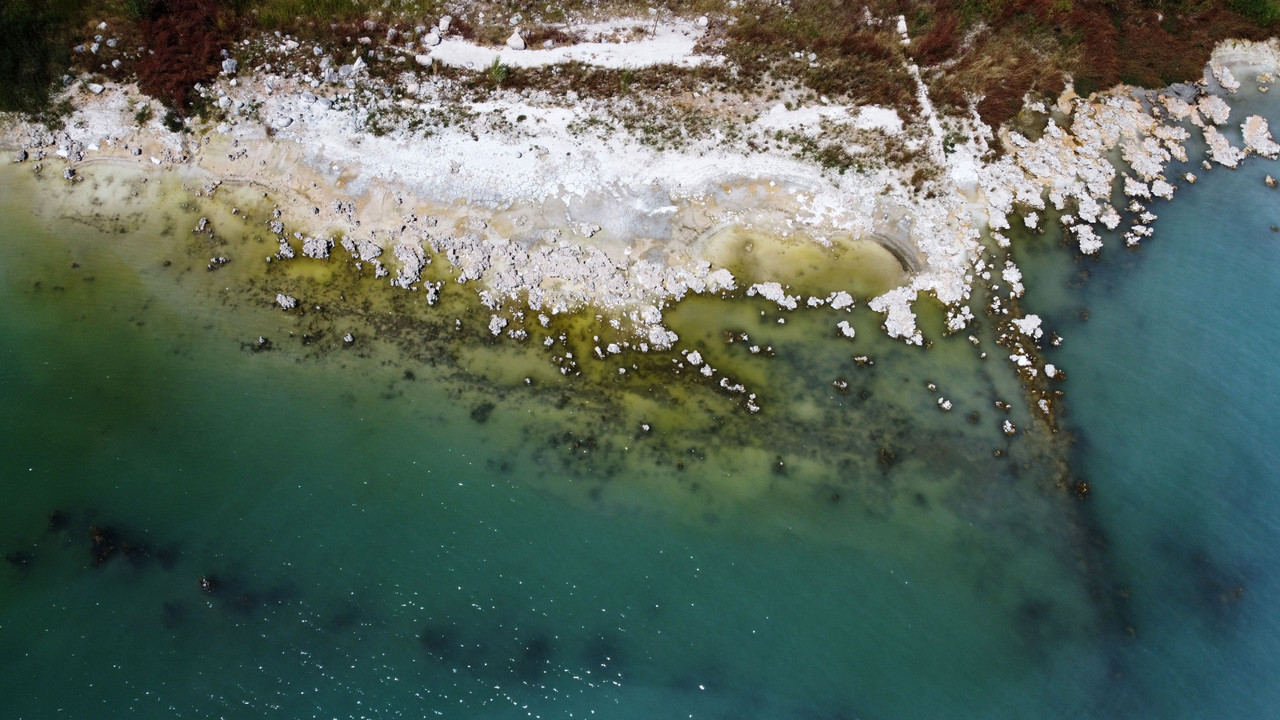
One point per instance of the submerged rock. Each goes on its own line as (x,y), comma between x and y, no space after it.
(105,542)
(481,412)
(58,521)
(286,301)
(20,559)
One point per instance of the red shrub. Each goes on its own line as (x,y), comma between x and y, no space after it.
(183,39)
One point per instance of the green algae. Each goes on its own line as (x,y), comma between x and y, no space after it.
(833,428)
(811,268)
(874,473)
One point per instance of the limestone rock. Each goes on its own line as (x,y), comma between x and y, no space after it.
(1257,137)
(412,260)
(318,248)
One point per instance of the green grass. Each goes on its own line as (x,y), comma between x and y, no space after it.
(282,14)
(1263,12)
(498,72)
(286,14)
(35,40)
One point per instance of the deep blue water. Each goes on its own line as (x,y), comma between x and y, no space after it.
(381,545)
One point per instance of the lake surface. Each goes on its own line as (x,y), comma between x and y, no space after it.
(431,522)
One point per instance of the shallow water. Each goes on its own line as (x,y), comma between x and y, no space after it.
(405,527)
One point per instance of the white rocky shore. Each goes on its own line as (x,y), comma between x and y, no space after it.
(551,202)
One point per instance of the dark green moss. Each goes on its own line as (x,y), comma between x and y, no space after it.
(34,51)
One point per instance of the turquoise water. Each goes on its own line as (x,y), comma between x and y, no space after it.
(1171,391)
(405,528)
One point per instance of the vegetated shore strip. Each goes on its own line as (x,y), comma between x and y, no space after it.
(546,199)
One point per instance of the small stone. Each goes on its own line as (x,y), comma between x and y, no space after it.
(444,23)
(515,42)
(229,66)
(423,60)
(703,21)
(348,338)
(95,88)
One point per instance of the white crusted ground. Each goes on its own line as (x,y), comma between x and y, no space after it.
(551,202)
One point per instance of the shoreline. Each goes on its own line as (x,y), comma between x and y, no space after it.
(619,225)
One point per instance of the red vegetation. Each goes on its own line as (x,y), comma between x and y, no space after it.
(183,40)
(939,43)
(1020,46)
